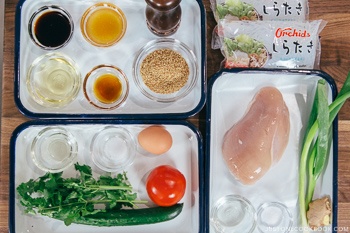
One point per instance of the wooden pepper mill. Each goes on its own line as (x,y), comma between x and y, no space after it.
(163,16)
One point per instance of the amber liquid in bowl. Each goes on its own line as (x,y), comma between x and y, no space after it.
(107,88)
(103,24)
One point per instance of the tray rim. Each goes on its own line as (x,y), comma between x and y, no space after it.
(19,129)
(179,115)
(334,90)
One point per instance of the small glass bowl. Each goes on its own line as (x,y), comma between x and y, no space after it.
(274,216)
(108,31)
(113,149)
(177,46)
(54,149)
(53,80)
(233,214)
(90,89)
(58,29)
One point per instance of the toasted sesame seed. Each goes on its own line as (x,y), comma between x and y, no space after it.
(164,71)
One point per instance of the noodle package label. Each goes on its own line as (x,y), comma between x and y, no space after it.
(271,44)
(293,10)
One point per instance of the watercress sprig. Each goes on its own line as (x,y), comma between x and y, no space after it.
(70,198)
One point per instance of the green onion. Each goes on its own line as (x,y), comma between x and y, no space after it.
(318,137)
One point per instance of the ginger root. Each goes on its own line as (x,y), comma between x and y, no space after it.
(319,213)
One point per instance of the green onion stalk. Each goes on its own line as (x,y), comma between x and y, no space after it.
(318,137)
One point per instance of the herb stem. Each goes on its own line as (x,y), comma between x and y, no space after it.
(106,187)
(94,202)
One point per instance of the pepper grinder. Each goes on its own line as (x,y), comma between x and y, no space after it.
(163,16)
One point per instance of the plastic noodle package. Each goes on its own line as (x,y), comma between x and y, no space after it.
(271,44)
(285,10)
(253,10)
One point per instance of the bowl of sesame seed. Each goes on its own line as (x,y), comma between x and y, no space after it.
(165,70)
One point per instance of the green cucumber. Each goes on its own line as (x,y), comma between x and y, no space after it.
(129,217)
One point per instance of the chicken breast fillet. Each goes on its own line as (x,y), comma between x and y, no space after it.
(259,139)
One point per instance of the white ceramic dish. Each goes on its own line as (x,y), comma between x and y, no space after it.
(185,155)
(229,96)
(191,32)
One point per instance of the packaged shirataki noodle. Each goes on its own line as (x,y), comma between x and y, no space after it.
(252,10)
(271,44)
(295,10)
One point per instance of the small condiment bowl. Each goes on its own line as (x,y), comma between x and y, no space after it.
(113,149)
(54,149)
(233,213)
(274,216)
(53,80)
(98,29)
(51,27)
(101,95)
(168,95)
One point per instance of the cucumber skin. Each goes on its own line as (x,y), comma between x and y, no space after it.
(131,217)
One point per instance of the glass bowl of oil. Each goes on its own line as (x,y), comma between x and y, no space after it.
(106,87)
(53,80)
(103,24)
(54,149)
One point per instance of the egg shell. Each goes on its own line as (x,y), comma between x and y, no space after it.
(155,139)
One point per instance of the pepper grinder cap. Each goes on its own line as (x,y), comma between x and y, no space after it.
(163,5)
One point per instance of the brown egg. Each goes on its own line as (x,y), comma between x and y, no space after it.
(155,139)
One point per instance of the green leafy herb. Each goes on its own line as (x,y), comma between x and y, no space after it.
(318,137)
(71,198)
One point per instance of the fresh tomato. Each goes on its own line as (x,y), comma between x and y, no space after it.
(165,185)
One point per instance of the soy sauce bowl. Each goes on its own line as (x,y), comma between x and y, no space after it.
(106,87)
(51,27)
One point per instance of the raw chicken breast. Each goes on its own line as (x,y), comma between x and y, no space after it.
(259,139)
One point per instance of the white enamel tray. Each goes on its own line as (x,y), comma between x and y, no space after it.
(185,155)
(228,98)
(191,32)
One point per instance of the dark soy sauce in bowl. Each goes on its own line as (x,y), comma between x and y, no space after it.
(51,28)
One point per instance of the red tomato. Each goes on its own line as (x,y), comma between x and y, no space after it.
(165,185)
